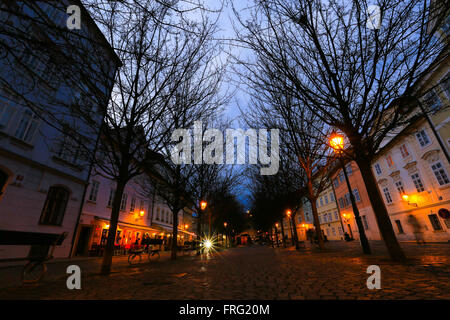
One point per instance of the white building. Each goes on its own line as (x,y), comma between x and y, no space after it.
(42,173)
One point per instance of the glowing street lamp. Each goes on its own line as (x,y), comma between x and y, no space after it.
(203,204)
(225,224)
(186,226)
(337,142)
(142,213)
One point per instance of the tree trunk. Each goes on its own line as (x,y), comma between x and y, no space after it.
(199,230)
(381,214)
(282,233)
(317,224)
(173,254)
(295,232)
(115,211)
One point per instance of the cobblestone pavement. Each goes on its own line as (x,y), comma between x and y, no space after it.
(258,272)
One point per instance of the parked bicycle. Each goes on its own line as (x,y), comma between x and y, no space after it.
(135,255)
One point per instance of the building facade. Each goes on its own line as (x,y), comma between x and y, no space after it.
(41,184)
(329,217)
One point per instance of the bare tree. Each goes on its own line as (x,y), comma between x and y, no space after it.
(337,61)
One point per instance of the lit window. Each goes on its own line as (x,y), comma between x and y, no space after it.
(417,182)
(387,195)
(377,168)
(94,191)
(440,173)
(404,151)
(422,137)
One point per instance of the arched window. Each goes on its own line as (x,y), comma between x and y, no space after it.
(3,179)
(55,206)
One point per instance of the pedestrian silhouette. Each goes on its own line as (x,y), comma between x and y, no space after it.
(417,229)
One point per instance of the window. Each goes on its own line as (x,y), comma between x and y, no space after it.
(341,176)
(340,230)
(6,111)
(432,101)
(417,182)
(123,202)
(325,197)
(399,226)
(445,84)
(364,220)
(111,197)
(400,189)
(322,219)
(389,161)
(377,168)
(440,173)
(69,150)
(336,217)
(132,204)
(54,206)
(321,201)
(341,202)
(330,218)
(333,230)
(94,191)
(356,194)
(332,197)
(348,201)
(387,195)
(435,222)
(27,127)
(348,169)
(336,182)
(422,137)
(404,151)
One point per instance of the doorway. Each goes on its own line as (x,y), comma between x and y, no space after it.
(83,241)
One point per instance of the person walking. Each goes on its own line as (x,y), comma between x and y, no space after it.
(417,229)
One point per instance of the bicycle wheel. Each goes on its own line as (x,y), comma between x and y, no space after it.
(134,259)
(33,271)
(153,256)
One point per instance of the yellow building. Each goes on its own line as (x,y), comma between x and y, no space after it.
(329,217)
(412,169)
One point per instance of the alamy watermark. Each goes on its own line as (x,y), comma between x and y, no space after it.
(374,281)
(212,152)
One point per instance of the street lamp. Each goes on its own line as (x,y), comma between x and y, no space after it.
(226,234)
(337,143)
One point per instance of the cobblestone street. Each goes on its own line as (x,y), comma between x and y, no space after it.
(255,272)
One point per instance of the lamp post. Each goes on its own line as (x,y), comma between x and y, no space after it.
(337,143)
(203,205)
